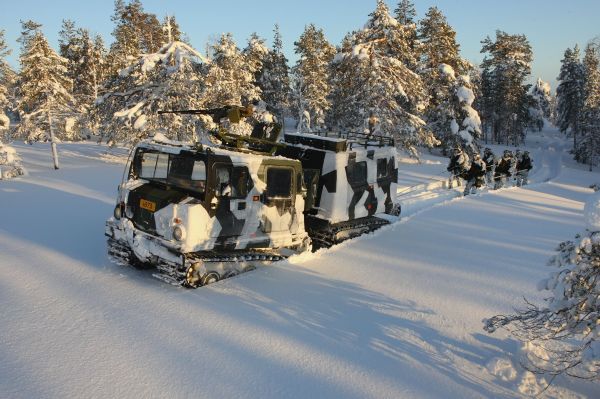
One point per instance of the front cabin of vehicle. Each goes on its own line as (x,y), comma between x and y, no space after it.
(203,199)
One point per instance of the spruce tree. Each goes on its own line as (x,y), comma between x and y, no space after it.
(569,94)
(505,69)
(44,88)
(445,75)
(374,91)
(311,75)
(255,54)
(589,146)
(275,82)
(230,79)
(542,99)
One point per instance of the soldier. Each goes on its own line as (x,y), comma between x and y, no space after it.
(476,175)
(503,169)
(524,165)
(490,165)
(458,166)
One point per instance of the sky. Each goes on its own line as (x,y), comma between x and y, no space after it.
(550,25)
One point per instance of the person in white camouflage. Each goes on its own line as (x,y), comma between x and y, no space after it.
(458,166)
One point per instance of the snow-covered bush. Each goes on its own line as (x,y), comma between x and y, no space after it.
(10,163)
(562,335)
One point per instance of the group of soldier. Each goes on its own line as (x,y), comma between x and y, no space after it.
(487,170)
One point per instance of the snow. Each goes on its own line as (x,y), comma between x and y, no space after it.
(592,213)
(447,70)
(396,313)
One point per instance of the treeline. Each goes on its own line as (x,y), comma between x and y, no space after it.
(396,76)
(578,102)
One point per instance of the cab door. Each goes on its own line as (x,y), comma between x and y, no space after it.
(279,213)
(231,184)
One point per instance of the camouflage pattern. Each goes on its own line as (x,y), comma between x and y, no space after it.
(237,201)
(354,181)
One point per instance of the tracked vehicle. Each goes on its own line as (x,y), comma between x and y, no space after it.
(198,213)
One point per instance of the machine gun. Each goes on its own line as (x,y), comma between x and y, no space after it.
(264,136)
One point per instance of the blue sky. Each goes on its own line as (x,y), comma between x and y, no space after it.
(550,25)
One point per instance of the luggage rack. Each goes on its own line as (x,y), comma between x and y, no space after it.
(360,139)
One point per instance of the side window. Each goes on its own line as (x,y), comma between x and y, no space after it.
(382,166)
(357,173)
(223,181)
(239,181)
(187,173)
(148,165)
(199,171)
(231,181)
(279,182)
(162,166)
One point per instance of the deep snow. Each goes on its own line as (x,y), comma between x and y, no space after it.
(394,314)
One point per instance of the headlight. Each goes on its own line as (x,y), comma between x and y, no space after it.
(118,212)
(129,212)
(178,233)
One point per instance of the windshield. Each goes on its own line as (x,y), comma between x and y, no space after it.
(179,170)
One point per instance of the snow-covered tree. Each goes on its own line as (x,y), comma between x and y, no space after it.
(275,82)
(589,146)
(170,79)
(454,120)
(505,69)
(230,79)
(569,94)
(44,89)
(256,53)
(405,14)
(542,97)
(311,76)
(376,92)
(136,32)
(445,75)
(6,80)
(562,335)
(85,62)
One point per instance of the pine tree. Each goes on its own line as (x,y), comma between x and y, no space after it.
(507,99)
(589,146)
(44,88)
(376,92)
(170,79)
(136,32)
(569,94)
(5,81)
(311,75)
(171,30)
(405,12)
(275,82)
(85,62)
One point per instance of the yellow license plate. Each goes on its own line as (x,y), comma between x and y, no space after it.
(149,205)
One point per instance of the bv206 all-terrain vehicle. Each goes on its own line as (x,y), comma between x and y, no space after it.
(201,213)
